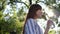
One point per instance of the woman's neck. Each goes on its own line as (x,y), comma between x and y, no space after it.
(35,17)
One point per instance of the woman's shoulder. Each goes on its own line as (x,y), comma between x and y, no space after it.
(30,20)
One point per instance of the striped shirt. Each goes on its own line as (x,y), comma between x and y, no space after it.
(31,27)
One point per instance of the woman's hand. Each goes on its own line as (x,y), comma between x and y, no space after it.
(49,23)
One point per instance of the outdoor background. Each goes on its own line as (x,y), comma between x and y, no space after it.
(13,14)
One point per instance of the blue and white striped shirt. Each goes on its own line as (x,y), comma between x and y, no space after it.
(31,27)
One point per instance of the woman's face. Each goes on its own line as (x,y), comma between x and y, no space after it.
(39,13)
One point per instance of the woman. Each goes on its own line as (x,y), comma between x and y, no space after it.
(31,26)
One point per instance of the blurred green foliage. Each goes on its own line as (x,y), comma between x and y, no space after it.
(14,24)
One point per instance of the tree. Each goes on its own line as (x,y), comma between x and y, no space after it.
(13,23)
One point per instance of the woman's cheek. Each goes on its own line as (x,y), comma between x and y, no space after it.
(39,14)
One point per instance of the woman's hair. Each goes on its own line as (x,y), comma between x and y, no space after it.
(32,12)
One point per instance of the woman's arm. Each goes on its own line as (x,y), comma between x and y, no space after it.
(46,30)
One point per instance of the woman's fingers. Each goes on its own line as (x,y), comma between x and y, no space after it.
(49,23)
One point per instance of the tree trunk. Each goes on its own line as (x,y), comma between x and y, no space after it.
(30,2)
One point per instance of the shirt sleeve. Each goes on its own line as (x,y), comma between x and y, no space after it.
(29,27)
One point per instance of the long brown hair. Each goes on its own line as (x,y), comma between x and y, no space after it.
(32,12)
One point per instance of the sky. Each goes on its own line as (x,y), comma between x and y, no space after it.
(19,5)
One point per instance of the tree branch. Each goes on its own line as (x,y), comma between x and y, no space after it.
(21,2)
